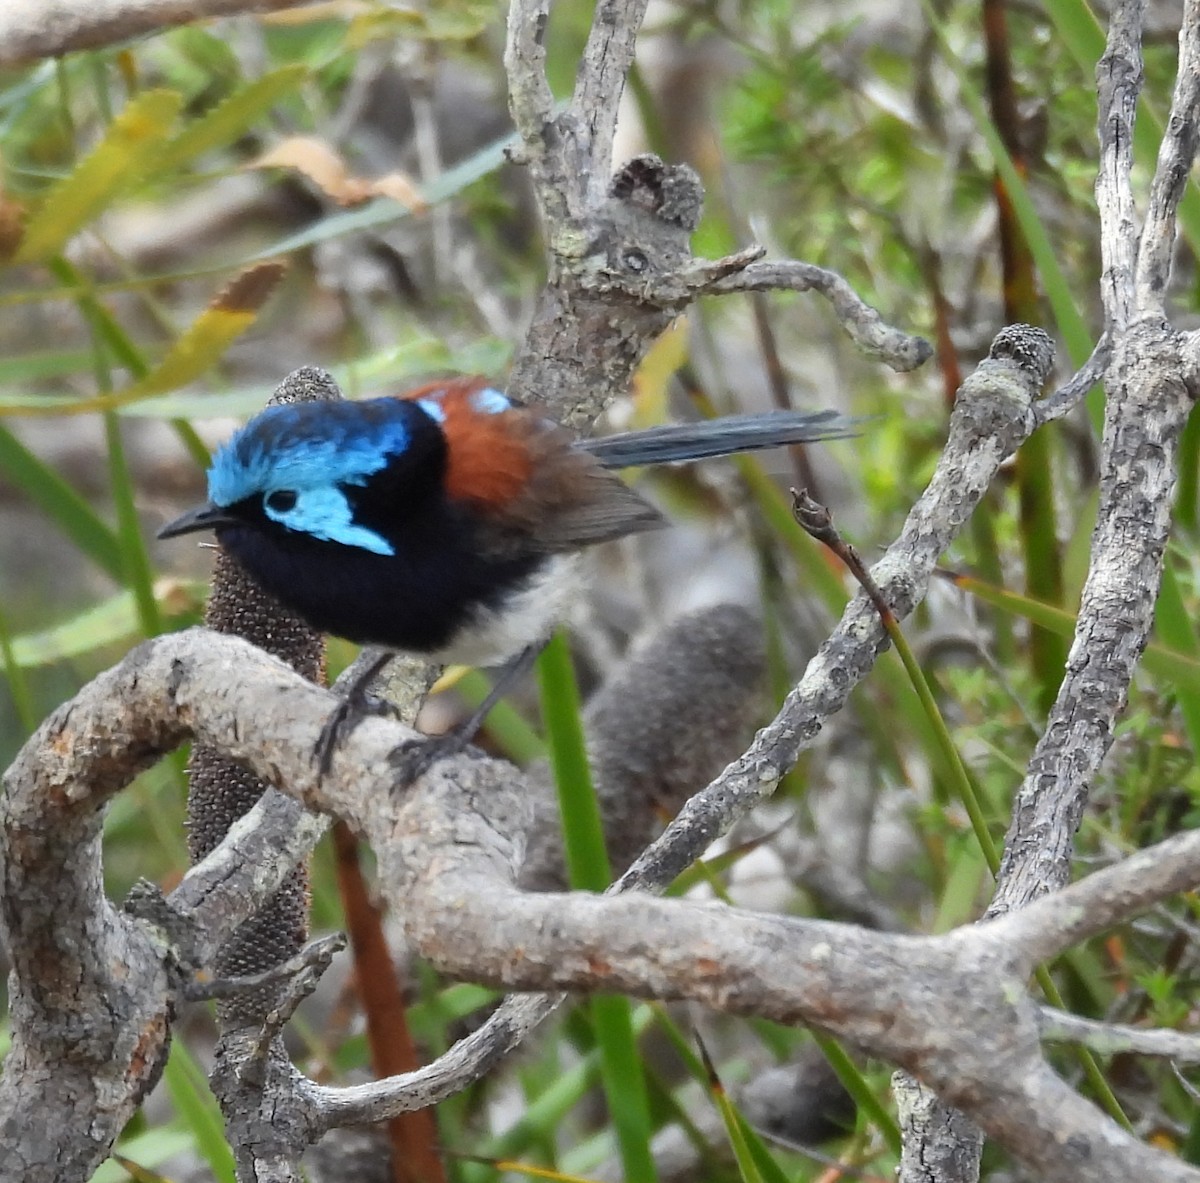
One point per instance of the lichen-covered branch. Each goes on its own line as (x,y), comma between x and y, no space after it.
(1118,83)
(620,266)
(952,1009)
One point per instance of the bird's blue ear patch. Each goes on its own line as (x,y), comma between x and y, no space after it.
(325,513)
(490,401)
(487,401)
(433,408)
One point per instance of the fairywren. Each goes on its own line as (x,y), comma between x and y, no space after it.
(445,522)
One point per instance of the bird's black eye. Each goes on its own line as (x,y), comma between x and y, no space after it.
(280,501)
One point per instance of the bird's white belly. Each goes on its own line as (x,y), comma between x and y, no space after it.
(527,617)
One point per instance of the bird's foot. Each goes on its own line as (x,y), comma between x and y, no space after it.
(415,757)
(342,721)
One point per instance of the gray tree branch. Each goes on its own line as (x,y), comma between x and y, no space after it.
(1118,83)
(953,1009)
(1176,154)
(1151,382)
(35,29)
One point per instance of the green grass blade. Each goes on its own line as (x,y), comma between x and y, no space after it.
(962,783)
(18,684)
(1173,623)
(1091,1068)
(856,1085)
(1043,560)
(505,724)
(736,1129)
(551,1106)
(589,870)
(101,322)
(198,1110)
(1178,669)
(112,621)
(384,210)
(147,1149)
(65,508)
(625,1089)
(34,367)
(135,557)
(583,832)
(1188,493)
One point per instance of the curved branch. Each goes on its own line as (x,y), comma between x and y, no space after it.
(35,29)
(1105,898)
(1067,397)
(947,1008)
(900,350)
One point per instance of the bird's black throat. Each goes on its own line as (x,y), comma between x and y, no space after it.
(441,577)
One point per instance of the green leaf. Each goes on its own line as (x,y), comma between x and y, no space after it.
(463,21)
(130,148)
(148,1150)
(228,119)
(197,1108)
(18,684)
(505,724)
(33,367)
(200,346)
(752,1167)
(1173,623)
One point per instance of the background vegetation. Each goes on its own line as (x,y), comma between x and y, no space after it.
(940,155)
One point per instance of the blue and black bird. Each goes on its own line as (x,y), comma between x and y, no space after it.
(446,522)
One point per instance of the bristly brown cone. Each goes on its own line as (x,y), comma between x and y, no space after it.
(220,791)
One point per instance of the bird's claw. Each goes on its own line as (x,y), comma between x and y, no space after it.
(415,757)
(342,721)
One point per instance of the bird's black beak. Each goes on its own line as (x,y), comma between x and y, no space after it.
(203,517)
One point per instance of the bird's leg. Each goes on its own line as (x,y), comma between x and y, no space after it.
(417,756)
(351,710)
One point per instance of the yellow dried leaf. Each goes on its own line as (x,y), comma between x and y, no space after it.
(124,155)
(324,167)
(316,160)
(399,188)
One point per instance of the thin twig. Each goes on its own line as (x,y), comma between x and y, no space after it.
(1176,154)
(1118,82)
(866,328)
(1111,1039)
(1068,395)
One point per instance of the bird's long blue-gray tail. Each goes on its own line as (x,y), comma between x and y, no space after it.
(718,437)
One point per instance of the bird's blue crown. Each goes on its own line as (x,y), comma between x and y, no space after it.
(307,445)
(313,451)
